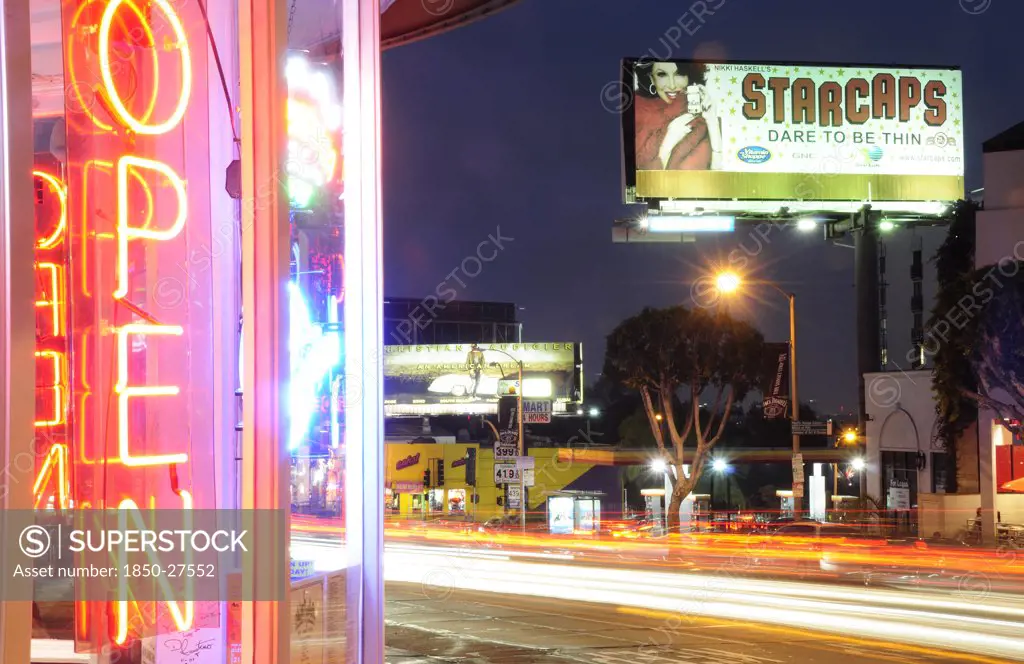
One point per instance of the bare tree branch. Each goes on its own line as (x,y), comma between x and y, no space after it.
(645,396)
(1004,410)
(725,418)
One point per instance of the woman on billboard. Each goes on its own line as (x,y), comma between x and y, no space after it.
(677,127)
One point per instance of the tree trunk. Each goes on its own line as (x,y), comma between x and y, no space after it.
(680,490)
(673,510)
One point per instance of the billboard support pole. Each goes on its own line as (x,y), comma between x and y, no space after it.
(866,280)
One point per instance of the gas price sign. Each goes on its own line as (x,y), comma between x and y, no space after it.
(507,473)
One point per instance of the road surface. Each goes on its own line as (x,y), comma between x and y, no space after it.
(429,624)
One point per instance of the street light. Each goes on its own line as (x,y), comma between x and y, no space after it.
(718,466)
(659,466)
(727,282)
(858,464)
(522,442)
(850,436)
(730,282)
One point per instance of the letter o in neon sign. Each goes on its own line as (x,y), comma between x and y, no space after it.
(108,79)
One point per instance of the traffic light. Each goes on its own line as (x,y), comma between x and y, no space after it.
(471,466)
(440,471)
(426,479)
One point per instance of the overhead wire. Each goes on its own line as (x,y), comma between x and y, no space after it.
(220,71)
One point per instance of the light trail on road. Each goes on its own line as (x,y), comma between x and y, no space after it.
(989,623)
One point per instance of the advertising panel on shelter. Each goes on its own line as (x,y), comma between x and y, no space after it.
(465,379)
(774,131)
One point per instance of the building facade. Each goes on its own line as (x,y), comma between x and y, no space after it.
(408,321)
(999,244)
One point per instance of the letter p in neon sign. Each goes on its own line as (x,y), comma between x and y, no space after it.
(125,230)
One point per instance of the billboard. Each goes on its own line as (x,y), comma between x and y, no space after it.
(468,379)
(800,132)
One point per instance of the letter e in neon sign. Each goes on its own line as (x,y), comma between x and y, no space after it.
(126,392)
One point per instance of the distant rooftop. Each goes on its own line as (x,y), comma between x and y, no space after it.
(431,320)
(1008,141)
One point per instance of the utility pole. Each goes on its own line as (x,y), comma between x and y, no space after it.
(522,439)
(522,450)
(795,396)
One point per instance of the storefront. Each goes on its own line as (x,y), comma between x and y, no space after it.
(465,489)
(430,481)
(183,266)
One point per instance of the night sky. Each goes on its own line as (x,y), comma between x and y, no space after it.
(500,124)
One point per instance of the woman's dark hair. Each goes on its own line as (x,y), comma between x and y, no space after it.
(643,69)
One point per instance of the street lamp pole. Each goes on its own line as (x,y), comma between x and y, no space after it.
(729,282)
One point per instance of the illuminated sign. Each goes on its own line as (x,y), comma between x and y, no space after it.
(314,132)
(53,475)
(411,460)
(455,379)
(685,224)
(314,353)
(135,206)
(780,132)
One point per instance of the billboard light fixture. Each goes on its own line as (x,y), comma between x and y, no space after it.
(691,224)
(923,208)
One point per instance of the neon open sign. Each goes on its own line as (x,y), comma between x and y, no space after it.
(136,190)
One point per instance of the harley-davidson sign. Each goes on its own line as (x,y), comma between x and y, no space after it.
(776,393)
